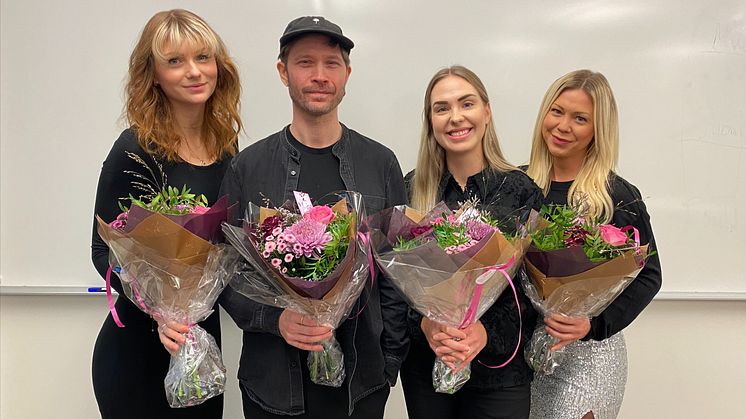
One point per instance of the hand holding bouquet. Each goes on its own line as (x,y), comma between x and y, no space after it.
(576,267)
(450,266)
(160,247)
(307,259)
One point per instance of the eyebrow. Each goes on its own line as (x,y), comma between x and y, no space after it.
(324,57)
(464,97)
(556,105)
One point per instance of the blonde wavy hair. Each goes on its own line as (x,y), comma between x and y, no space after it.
(147,108)
(590,189)
(431,159)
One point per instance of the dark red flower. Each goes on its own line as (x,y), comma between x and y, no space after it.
(269,224)
(420,230)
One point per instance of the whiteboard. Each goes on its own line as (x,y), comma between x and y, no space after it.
(678,71)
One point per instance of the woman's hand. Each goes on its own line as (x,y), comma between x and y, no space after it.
(439,335)
(475,341)
(566,329)
(455,347)
(171,335)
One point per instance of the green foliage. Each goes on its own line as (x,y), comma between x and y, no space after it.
(561,219)
(170,200)
(566,228)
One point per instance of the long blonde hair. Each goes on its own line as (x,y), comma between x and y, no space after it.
(147,108)
(431,159)
(591,186)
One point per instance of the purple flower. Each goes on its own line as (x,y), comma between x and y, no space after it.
(478,230)
(310,235)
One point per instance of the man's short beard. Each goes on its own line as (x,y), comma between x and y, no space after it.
(315,111)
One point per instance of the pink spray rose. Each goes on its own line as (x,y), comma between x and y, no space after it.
(612,235)
(199,209)
(320,213)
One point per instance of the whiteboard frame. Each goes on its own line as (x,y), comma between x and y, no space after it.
(30,290)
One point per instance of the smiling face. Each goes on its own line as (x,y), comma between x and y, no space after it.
(315,74)
(187,76)
(459,117)
(568,127)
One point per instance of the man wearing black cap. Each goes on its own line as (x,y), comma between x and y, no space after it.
(317,154)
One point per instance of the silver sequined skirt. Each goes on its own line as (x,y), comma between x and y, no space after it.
(590,378)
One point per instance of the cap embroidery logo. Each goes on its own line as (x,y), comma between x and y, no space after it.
(316,20)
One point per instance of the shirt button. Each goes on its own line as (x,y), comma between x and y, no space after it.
(293,364)
(292,172)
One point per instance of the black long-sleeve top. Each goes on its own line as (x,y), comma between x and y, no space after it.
(115,186)
(129,363)
(507,196)
(629,210)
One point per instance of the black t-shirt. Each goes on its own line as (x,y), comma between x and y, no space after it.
(319,171)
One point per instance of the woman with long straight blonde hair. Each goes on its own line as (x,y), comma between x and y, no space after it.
(460,159)
(182,105)
(573,157)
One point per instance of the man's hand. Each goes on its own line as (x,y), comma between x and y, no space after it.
(302,331)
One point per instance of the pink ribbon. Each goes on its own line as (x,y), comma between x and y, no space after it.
(636,235)
(471,311)
(365,238)
(110,299)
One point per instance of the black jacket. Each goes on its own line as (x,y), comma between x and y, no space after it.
(374,342)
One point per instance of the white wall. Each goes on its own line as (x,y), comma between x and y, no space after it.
(687,360)
(678,74)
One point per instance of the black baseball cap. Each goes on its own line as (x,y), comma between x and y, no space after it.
(314,24)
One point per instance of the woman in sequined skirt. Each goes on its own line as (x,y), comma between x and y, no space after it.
(573,157)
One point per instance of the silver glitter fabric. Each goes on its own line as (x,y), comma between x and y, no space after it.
(591,378)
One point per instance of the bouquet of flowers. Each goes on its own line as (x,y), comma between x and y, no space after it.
(310,259)
(161,249)
(576,267)
(450,267)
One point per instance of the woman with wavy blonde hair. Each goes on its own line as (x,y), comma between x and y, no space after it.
(182,104)
(459,160)
(573,156)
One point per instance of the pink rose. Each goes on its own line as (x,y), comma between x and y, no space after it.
(320,213)
(612,235)
(199,209)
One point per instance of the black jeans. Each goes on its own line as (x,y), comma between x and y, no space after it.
(469,402)
(322,402)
